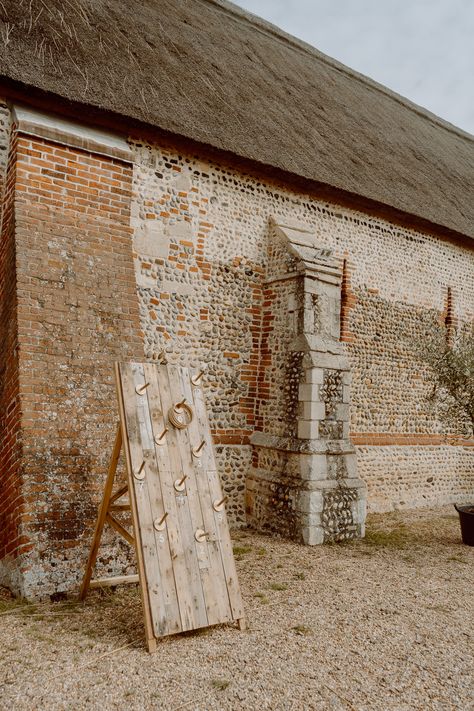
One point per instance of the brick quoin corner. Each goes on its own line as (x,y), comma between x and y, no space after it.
(67,249)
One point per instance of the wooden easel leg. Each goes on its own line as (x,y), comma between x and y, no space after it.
(151,643)
(242,623)
(102,515)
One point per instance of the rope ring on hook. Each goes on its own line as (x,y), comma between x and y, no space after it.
(180,415)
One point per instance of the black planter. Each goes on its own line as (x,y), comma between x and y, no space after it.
(466,519)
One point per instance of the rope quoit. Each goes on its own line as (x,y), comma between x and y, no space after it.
(180,415)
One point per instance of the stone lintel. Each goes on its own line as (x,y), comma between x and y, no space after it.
(319,359)
(307,342)
(69,133)
(320,272)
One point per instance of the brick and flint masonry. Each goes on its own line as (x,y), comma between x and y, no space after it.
(106,260)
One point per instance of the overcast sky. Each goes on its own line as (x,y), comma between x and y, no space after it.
(422,49)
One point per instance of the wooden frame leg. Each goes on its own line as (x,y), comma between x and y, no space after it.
(151,644)
(102,515)
(149,632)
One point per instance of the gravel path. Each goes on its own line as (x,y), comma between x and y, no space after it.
(383,624)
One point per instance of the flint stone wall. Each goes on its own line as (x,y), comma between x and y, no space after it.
(201,256)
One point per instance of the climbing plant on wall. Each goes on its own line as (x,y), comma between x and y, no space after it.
(450,373)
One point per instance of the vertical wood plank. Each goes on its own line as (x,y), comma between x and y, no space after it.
(170,553)
(167,457)
(170,395)
(208,579)
(220,518)
(140,443)
(214,584)
(165,616)
(149,633)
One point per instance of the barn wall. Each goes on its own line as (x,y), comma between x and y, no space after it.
(84,234)
(201,238)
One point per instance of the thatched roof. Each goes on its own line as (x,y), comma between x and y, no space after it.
(206,70)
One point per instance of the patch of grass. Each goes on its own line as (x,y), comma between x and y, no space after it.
(220,684)
(346,542)
(241,550)
(299,576)
(261,551)
(263,598)
(278,586)
(396,539)
(8,603)
(71,606)
(302,630)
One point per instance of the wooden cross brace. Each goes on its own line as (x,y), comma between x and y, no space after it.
(107,508)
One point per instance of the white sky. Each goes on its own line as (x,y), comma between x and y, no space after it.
(422,49)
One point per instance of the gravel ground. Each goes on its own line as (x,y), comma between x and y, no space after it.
(386,623)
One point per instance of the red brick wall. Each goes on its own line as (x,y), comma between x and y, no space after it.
(348,301)
(10,447)
(77,314)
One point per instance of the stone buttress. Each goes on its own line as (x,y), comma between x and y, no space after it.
(303,482)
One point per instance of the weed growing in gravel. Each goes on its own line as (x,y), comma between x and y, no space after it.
(241,550)
(263,598)
(302,630)
(278,586)
(71,606)
(10,604)
(299,576)
(262,551)
(396,539)
(220,684)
